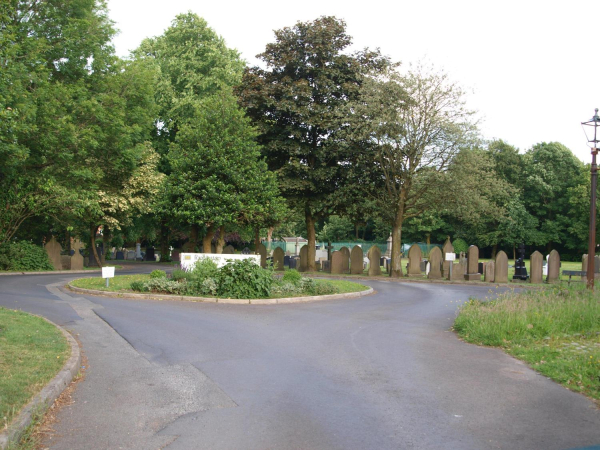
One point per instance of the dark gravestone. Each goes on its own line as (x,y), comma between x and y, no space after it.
(326,266)
(92,261)
(246,251)
(286,260)
(294,262)
(423,265)
(520,269)
(480,267)
(175,255)
(228,250)
(149,254)
(120,255)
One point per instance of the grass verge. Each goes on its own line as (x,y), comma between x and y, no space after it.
(32,352)
(121,283)
(556,331)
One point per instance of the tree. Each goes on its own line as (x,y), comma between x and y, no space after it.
(300,104)
(417,123)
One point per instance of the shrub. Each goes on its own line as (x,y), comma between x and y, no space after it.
(137,286)
(292,276)
(204,268)
(158,274)
(24,256)
(180,274)
(164,286)
(244,279)
(460,246)
(280,287)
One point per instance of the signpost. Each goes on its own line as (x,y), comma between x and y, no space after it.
(108,272)
(450,257)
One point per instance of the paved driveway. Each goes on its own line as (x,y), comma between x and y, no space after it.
(377,372)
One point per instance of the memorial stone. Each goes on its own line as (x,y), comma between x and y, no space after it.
(262,251)
(229,250)
(326,266)
(278,256)
(337,262)
(489,274)
(447,248)
(175,255)
(458,271)
(536,264)
(345,260)
(294,262)
(53,249)
(414,261)
(375,261)
(149,254)
(553,267)
(501,270)
(246,251)
(303,267)
(286,260)
(473,264)
(356,260)
(130,255)
(435,264)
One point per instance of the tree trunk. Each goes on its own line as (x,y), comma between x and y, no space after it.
(164,239)
(256,238)
(494,251)
(94,253)
(221,239)
(311,237)
(207,239)
(396,271)
(194,238)
(105,242)
(515,253)
(269,238)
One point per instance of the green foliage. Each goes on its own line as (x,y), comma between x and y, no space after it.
(180,274)
(164,285)
(138,286)
(292,276)
(204,268)
(460,245)
(302,285)
(158,274)
(244,279)
(24,256)
(336,229)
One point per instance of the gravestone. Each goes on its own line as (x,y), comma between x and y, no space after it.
(130,255)
(345,260)
(303,267)
(337,262)
(553,267)
(229,250)
(262,251)
(447,248)
(286,260)
(596,264)
(414,261)
(188,247)
(92,260)
(536,264)
(458,271)
(326,266)
(149,254)
(120,256)
(473,264)
(520,269)
(501,271)
(435,264)
(294,262)
(246,251)
(278,256)
(489,273)
(374,255)
(76,262)
(53,249)
(356,260)
(65,262)
(175,254)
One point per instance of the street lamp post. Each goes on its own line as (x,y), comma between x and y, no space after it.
(591,130)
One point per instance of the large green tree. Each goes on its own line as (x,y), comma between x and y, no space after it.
(300,103)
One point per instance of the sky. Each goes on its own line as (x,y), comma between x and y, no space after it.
(529,68)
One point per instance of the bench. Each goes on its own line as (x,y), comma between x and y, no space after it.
(574,273)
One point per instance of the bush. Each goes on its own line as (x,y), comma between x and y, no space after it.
(244,279)
(292,276)
(24,256)
(137,286)
(460,246)
(204,268)
(158,274)
(180,274)
(164,286)
(280,287)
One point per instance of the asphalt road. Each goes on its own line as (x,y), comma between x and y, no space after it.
(377,372)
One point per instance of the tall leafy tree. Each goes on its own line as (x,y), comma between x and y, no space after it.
(300,103)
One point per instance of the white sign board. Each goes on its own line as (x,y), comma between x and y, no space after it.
(189,259)
(108,272)
(450,256)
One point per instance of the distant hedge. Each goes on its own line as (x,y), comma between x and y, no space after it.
(24,256)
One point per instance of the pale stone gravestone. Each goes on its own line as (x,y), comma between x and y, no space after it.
(303,267)
(229,250)
(337,262)
(489,271)
(346,260)
(77,258)
(53,249)
(435,264)
(596,264)
(447,248)
(356,260)
(414,261)
(584,264)
(553,267)
(501,271)
(278,256)
(130,255)
(262,251)
(65,262)
(536,264)
(458,271)
(374,255)
(473,264)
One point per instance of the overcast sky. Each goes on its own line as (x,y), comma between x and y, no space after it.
(530,67)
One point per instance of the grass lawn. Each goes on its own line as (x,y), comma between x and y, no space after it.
(556,331)
(121,283)
(32,352)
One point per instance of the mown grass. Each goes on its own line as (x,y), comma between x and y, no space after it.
(556,331)
(32,352)
(121,283)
